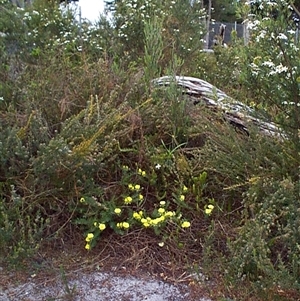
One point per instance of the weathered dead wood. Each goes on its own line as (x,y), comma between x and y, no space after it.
(236,113)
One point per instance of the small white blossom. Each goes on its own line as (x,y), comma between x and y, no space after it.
(268,64)
(261,35)
(282,36)
(253,24)
(291,31)
(279,69)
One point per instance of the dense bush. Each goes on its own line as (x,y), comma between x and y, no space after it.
(88,144)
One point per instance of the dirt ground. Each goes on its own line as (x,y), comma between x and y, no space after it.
(133,268)
(98,286)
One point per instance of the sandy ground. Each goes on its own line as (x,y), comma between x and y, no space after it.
(98,286)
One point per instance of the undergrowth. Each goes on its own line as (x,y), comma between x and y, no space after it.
(88,145)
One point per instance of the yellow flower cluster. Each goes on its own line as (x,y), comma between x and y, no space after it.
(135,187)
(137,215)
(209,208)
(128,200)
(123,225)
(148,221)
(141,172)
(88,239)
(101,226)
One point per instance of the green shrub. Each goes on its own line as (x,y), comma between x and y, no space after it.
(88,144)
(21,227)
(268,245)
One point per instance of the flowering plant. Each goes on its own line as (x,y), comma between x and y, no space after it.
(274,67)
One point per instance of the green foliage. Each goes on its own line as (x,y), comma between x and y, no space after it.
(223,10)
(182,27)
(153,49)
(87,144)
(273,75)
(143,201)
(269,241)
(21,227)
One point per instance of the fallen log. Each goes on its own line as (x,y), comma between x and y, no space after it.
(234,112)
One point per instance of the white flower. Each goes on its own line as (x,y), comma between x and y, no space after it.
(261,35)
(282,36)
(291,31)
(253,24)
(280,68)
(157,166)
(268,64)
(254,68)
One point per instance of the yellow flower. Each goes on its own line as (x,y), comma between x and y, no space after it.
(128,200)
(130,186)
(161,219)
(161,244)
(117,210)
(185,224)
(137,187)
(155,221)
(162,203)
(161,211)
(146,225)
(125,167)
(136,215)
(169,214)
(89,237)
(182,198)
(82,200)
(102,227)
(209,209)
(125,225)
(146,222)
(95,224)
(141,172)
(184,188)
(88,246)
(141,197)
(143,220)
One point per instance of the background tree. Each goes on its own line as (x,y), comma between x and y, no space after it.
(182,23)
(223,10)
